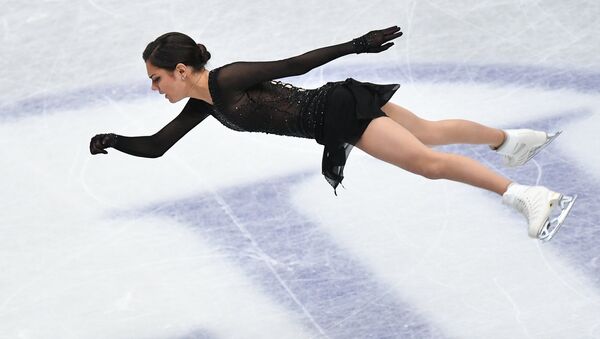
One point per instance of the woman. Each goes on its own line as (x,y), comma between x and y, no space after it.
(244,96)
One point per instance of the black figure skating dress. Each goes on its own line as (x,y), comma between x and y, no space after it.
(246,97)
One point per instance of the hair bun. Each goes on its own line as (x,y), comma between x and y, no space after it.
(204,53)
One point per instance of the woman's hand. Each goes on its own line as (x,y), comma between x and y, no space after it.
(376,41)
(100,142)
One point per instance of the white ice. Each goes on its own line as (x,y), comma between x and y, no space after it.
(237,235)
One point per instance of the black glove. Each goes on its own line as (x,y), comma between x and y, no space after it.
(101,141)
(373,42)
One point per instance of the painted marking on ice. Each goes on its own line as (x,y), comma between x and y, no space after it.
(297,263)
(300,265)
(529,76)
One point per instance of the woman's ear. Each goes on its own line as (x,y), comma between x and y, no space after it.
(181,71)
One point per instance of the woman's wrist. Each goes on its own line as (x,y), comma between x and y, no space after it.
(360,45)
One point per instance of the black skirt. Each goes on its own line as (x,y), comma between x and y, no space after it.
(350,106)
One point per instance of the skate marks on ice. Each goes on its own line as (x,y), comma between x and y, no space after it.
(291,259)
(340,295)
(301,268)
(502,75)
(578,237)
(197,334)
(294,260)
(72,100)
(546,78)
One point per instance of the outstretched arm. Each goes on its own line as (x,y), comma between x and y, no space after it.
(242,75)
(155,145)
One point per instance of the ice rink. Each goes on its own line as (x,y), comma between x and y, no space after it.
(238,235)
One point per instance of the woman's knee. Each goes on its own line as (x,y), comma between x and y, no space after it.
(431,166)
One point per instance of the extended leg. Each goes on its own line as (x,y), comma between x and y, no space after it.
(444,132)
(517,146)
(391,142)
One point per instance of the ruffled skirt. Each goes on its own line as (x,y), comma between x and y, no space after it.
(350,106)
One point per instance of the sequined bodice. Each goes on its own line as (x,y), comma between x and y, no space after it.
(246,98)
(270,107)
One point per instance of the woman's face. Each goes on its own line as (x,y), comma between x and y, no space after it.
(169,83)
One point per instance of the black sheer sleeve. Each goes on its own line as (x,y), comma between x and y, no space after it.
(156,145)
(239,76)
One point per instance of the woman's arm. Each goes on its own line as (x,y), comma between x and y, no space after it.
(155,145)
(242,75)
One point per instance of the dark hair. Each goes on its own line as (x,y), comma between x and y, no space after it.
(173,48)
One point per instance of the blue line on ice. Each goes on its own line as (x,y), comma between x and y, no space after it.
(333,287)
(513,75)
(325,279)
(577,240)
(340,295)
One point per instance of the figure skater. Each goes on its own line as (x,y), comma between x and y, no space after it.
(245,96)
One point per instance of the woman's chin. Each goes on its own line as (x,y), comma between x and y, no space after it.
(171,100)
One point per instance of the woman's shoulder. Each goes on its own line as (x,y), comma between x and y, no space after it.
(198,105)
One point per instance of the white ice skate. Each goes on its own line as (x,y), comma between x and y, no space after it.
(538,203)
(523,144)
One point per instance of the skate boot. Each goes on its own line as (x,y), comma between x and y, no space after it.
(521,145)
(545,210)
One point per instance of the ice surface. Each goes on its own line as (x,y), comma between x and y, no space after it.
(237,235)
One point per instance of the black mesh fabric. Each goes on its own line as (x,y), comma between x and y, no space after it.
(155,145)
(351,106)
(246,97)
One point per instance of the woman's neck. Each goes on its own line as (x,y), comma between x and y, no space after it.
(199,86)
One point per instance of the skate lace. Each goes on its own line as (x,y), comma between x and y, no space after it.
(520,158)
(522,206)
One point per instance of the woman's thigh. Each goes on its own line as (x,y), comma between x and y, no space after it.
(387,140)
(419,127)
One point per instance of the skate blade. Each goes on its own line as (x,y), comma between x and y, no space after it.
(538,149)
(551,227)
